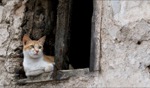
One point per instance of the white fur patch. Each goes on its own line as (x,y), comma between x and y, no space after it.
(36,66)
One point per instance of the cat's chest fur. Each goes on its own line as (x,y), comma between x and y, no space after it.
(36,66)
(32,64)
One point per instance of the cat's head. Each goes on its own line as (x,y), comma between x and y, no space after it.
(33,48)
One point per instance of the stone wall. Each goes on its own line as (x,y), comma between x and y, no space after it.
(126,43)
(11,16)
(125,40)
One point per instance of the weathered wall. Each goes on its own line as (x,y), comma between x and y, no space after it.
(126,43)
(11,16)
(125,34)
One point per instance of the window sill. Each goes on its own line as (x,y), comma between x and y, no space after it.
(61,75)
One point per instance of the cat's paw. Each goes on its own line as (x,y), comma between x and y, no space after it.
(49,68)
(34,72)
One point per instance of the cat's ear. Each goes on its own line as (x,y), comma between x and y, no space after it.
(25,39)
(42,40)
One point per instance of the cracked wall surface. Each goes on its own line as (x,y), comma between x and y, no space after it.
(125,45)
(10,26)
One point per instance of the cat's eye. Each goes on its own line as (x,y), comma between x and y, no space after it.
(32,46)
(40,47)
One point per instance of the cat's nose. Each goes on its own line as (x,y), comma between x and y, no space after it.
(36,51)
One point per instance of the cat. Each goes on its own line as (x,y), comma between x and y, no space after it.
(35,62)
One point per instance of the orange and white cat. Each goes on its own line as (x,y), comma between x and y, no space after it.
(35,62)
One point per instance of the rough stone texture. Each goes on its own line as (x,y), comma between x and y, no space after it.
(125,43)
(10,22)
(125,46)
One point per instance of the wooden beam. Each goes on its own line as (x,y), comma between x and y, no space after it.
(96,36)
(62,36)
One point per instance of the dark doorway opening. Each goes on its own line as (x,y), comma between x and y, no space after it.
(80,33)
